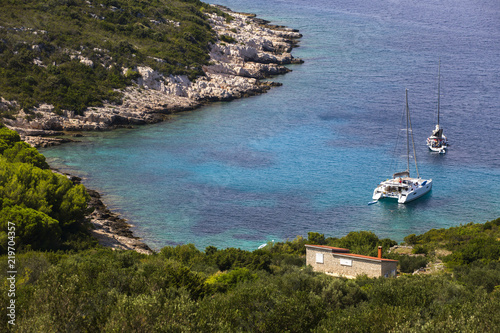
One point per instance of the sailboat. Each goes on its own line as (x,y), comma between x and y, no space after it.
(437,142)
(401,186)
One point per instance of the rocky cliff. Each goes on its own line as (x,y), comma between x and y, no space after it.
(247,50)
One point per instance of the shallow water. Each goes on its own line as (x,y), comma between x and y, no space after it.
(306,156)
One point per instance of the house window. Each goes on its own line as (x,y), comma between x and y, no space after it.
(319,258)
(346,262)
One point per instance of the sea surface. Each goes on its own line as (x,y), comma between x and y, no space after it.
(307,156)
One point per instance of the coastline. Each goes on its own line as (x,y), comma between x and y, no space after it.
(248,50)
(108,227)
(234,72)
(111,230)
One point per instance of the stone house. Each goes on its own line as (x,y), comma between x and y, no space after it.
(339,262)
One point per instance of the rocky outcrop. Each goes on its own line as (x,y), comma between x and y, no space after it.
(111,230)
(248,49)
(107,227)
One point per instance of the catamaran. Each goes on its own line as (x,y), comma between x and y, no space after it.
(402,186)
(437,142)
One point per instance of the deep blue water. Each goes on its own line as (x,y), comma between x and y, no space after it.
(306,156)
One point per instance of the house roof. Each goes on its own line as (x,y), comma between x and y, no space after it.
(345,252)
(325,247)
(363,257)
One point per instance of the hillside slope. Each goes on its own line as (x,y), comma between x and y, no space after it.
(81,65)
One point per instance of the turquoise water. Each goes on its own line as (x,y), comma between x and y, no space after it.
(306,156)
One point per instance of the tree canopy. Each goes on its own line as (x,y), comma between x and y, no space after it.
(43,205)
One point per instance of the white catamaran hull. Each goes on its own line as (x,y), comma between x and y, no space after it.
(416,193)
(405,191)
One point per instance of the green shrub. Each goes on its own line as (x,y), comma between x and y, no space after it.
(411,239)
(103,290)
(186,254)
(222,281)
(7,138)
(227,39)
(132,75)
(409,264)
(49,211)
(419,249)
(362,242)
(481,248)
(233,258)
(30,229)
(294,247)
(316,238)
(24,153)
(480,274)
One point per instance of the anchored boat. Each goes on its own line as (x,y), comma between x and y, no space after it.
(437,142)
(402,186)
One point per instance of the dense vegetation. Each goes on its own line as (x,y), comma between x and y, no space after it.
(269,290)
(42,43)
(47,208)
(66,282)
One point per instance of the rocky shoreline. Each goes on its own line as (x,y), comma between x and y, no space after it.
(109,228)
(248,50)
(253,50)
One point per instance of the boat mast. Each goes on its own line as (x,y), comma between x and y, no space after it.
(407,135)
(439,87)
(408,129)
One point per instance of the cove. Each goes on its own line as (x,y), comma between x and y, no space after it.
(306,156)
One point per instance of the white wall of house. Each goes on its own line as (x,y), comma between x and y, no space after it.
(326,260)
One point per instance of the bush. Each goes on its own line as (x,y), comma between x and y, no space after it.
(294,247)
(480,274)
(222,281)
(14,150)
(186,254)
(316,238)
(419,249)
(227,39)
(24,153)
(411,239)
(362,242)
(233,258)
(409,264)
(283,303)
(49,211)
(103,290)
(7,138)
(32,229)
(481,248)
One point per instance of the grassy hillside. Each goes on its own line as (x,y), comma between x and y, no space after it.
(71,53)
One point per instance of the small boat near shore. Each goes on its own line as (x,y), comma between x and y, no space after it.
(438,142)
(402,186)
